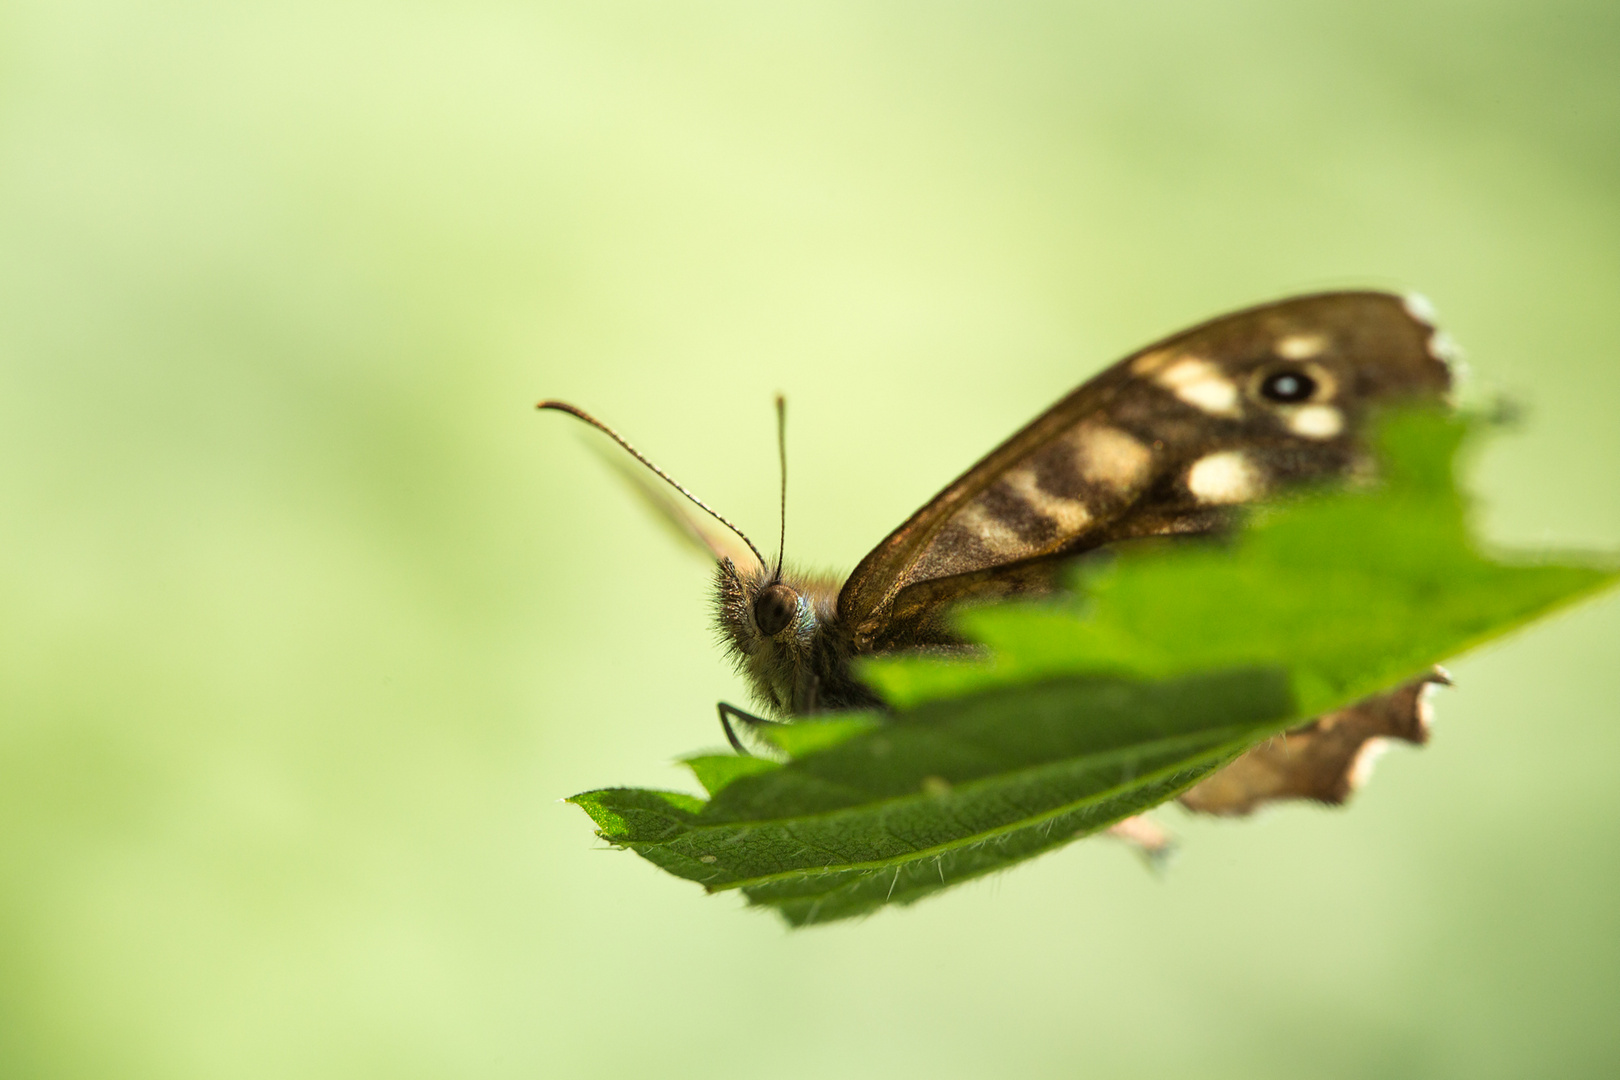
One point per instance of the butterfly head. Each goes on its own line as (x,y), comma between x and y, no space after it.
(760,604)
(773,623)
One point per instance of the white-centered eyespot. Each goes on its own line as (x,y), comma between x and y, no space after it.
(1292,384)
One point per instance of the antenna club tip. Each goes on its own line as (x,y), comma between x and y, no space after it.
(561,406)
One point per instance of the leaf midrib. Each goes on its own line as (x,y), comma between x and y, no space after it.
(1227,749)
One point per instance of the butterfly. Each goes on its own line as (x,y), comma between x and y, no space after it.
(1171,441)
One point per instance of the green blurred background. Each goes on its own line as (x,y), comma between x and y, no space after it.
(308,619)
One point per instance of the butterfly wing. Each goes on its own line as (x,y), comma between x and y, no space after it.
(1325,760)
(693,532)
(1164,442)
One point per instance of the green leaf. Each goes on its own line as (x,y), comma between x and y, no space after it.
(797,740)
(1169,662)
(716,771)
(947,791)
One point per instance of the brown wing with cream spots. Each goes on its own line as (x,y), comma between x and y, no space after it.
(1325,760)
(1160,443)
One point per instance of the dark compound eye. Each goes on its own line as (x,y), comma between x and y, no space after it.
(1288,387)
(775,608)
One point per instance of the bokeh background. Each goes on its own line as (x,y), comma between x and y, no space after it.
(308,619)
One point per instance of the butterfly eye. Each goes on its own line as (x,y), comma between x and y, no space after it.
(775,608)
(1288,387)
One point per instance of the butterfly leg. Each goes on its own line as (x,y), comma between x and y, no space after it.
(729,711)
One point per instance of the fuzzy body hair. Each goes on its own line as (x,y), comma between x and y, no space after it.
(805,668)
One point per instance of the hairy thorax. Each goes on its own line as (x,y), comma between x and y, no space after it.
(783,634)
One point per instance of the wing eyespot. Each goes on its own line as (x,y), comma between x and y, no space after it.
(1300,396)
(1288,387)
(1293,383)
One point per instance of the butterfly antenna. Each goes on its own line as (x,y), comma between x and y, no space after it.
(781,457)
(581,414)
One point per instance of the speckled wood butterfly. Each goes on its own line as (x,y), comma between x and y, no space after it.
(1167,442)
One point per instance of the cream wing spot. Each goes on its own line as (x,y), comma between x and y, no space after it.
(1202,385)
(1441,345)
(995,535)
(1070,515)
(1227,476)
(1301,346)
(1316,421)
(1425,698)
(1110,457)
(1361,766)
(1444,348)
(1148,363)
